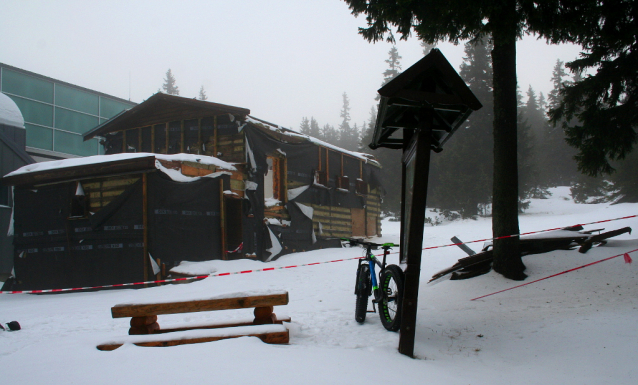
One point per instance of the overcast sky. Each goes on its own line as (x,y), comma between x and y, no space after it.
(282,59)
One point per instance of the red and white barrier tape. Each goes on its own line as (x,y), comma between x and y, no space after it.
(286,267)
(627,260)
(199,277)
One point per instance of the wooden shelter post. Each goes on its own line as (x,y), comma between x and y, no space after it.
(416,168)
(426,103)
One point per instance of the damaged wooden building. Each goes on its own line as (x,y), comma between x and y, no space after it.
(186,180)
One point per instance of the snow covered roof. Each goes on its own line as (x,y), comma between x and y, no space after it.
(303,137)
(9,112)
(102,164)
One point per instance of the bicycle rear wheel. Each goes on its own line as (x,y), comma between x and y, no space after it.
(391,286)
(362,290)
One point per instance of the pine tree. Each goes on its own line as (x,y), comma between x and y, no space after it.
(348,137)
(315,131)
(169,86)
(554,99)
(558,165)
(304,127)
(604,101)
(504,21)
(202,94)
(394,66)
(460,176)
(330,134)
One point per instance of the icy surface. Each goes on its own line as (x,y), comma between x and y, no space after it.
(9,112)
(73,162)
(576,328)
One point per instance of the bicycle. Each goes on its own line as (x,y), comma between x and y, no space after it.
(388,290)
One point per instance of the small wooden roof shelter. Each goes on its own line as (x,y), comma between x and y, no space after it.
(431,83)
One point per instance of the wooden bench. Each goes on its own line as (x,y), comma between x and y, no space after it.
(145,331)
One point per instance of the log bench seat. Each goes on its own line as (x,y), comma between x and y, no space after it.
(144,326)
(270,334)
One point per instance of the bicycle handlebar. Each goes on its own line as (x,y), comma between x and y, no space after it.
(358,241)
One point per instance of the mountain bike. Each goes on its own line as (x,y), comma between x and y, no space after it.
(388,290)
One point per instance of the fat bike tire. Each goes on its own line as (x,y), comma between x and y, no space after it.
(363,292)
(391,287)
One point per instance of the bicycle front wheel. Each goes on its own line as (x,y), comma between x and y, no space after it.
(362,291)
(391,286)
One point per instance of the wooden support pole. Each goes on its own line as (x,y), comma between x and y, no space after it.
(124,141)
(145,222)
(181,137)
(167,132)
(215,137)
(222,216)
(153,138)
(139,142)
(416,166)
(199,136)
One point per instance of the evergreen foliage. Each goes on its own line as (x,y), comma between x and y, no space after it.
(304,127)
(202,94)
(454,20)
(460,176)
(169,86)
(604,101)
(394,67)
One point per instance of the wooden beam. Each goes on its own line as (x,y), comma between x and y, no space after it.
(199,136)
(145,223)
(222,216)
(215,137)
(142,310)
(166,128)
(181,137)
(152,138)
(124,141)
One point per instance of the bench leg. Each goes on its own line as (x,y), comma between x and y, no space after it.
(264,316)
(143,325)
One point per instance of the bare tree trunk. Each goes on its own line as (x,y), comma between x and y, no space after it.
(507,258)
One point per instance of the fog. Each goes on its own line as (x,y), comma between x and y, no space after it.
(282,59)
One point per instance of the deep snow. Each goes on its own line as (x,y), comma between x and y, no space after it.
(576,328)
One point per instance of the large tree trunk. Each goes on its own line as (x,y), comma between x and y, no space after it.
(507,258)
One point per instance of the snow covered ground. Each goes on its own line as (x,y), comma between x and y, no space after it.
(576,328)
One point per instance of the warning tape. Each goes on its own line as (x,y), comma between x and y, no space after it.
(627,260)
(200,277)
(528,233)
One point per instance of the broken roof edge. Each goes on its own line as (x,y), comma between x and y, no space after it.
(368,158)
(155,98)
(98,165)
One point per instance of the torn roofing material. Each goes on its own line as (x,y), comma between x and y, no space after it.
(288,135)
(58,170)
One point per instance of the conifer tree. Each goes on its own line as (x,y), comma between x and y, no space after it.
(169,86)
(454,20)
(460,176)
(304,127)
(348,136)
(394,66)
(202,94)
(315,131)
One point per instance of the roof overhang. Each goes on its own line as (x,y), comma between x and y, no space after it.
(162,108)
(430,84)
(55,175)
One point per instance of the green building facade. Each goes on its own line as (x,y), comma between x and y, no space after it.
(56,113)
